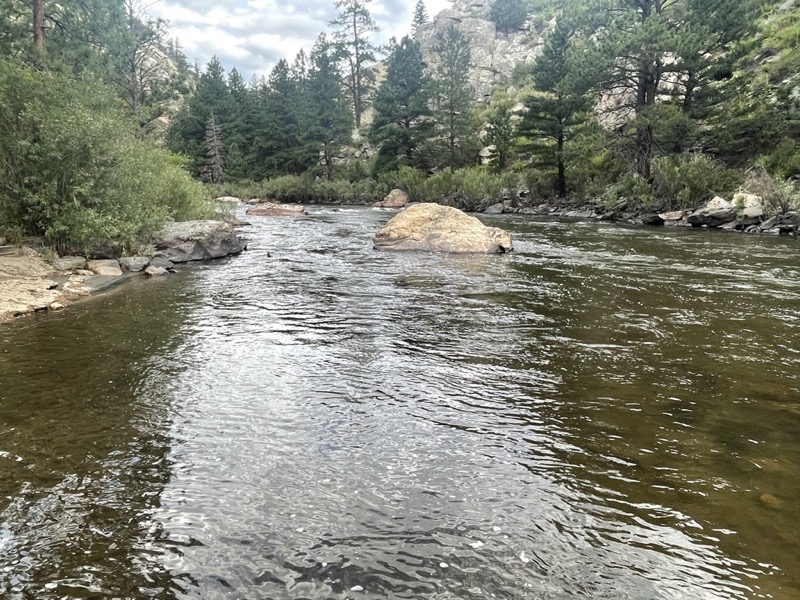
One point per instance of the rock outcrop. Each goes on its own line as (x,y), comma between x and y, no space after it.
(26,285)
(494,54)
(435,228)
(197,240)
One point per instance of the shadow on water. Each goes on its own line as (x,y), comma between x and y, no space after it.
(84,443)
(606,413)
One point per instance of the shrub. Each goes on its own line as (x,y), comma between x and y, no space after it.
(509,15)
(779,197)
(689,180)
(74,170)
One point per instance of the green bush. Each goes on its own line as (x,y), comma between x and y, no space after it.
(74,170)
(689,180)
(783,161)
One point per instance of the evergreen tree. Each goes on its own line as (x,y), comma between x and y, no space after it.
(352,28)
(557,109)
(508,15)
(402,110)
(501,133)
(453,98)
(420,16)
(214,170)
(328,120)
(187,135)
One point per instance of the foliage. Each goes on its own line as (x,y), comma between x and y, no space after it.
(778,196)
(508,15)
(73,169)
(691,179)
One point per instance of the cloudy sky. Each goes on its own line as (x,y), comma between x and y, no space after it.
(253,34)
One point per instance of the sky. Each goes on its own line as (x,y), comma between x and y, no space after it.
(253,35)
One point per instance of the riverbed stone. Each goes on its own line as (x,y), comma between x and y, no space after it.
(134,264)
(228,200)
(69,263)
(162,263)
(105,267)
(271,209)
(197,240)
(435,228)
(156,271)
(397,198)
(496,209)
(675,215)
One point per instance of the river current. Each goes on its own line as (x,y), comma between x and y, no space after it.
(608,412)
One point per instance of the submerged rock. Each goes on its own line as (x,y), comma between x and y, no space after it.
(197,240)
(435,228)
(271,209)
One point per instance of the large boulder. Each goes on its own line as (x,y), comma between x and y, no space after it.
(105,267)
(271,209)
(436,228)
(716,213)
(395,199)
(197,240)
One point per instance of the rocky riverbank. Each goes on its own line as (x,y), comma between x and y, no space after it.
(30,283)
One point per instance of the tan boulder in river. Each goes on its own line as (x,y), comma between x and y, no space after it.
(436,228)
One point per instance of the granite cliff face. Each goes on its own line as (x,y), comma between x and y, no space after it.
(494,53)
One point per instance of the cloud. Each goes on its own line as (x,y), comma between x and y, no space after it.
(252,35)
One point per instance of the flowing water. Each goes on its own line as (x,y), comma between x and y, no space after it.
(606,413)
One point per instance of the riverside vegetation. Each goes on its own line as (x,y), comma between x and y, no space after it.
(646,105)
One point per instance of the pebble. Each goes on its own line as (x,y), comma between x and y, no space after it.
(356,588)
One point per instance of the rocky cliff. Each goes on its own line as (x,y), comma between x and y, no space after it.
(494,53)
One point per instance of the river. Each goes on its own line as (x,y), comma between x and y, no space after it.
(608,412)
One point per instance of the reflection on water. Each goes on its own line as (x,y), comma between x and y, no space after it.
(607,413)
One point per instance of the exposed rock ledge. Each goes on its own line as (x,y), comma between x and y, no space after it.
(30,284)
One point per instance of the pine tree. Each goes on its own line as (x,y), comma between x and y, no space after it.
(188,131)
(508,15)
(420,16)
(214,169)
(453,98)
(558,107)
(328,121)
(353,27)
(501,133)
(402,110)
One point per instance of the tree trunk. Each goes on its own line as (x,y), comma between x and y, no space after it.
(562,174)
(38,26)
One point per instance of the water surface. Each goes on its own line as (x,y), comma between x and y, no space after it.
(606,413)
